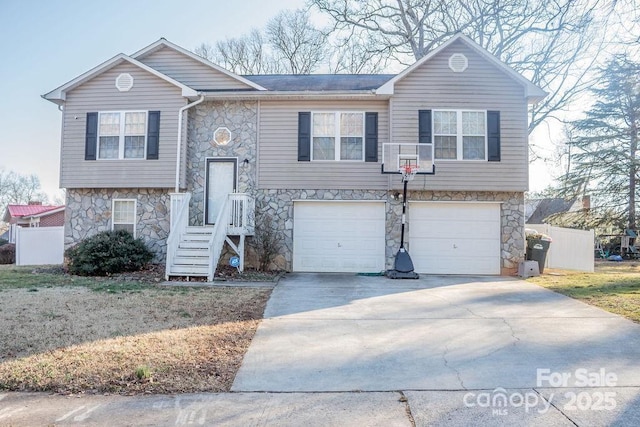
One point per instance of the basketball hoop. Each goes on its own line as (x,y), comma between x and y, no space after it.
(409,172)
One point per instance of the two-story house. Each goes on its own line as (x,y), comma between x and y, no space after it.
(178,151)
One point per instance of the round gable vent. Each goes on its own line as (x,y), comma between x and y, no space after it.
(124,82)
(458,62)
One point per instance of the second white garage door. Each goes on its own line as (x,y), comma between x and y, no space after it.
(455,237)
(339,236)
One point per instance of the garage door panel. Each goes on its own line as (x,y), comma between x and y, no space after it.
(339,236)
(461,248)
(455,237)
(443,229)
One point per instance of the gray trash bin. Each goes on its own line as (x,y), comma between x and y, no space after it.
(537,251)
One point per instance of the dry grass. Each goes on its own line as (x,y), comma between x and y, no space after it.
(614,286)
(122,337)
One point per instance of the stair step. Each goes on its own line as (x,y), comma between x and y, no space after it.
(199,230)
(194,245)
(182,260)
(195,237)
(190,252)
(188,270)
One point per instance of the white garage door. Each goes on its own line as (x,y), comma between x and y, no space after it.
(339,236)
(454,238)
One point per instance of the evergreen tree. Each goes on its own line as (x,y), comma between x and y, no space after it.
(604,144)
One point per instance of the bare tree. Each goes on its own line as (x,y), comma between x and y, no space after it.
(550,42)
(296,42)
(205,50)
(248,54)
(290,44)
(19,189)
(356,53)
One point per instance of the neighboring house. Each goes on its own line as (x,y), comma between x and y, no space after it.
(157,140)
(538,210)
(35,214)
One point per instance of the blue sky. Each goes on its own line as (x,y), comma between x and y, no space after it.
(46,43)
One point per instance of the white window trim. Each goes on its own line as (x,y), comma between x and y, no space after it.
(337,135)
(135,214)
(459,135)
(122,135)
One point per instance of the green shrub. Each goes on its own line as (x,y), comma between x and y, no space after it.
(8,253)
(109,252)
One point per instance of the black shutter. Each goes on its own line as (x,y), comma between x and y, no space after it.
(370,137)
(304,136)
(91,137)
(424,126)
(493,135)
(153,135)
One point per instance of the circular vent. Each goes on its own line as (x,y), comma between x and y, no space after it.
(458,62)
(124,82)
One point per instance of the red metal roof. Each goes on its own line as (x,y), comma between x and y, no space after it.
(17,211)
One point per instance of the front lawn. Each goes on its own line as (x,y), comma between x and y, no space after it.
(69,334)
(615,286)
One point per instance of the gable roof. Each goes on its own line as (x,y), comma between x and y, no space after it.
(166,43)
(20,211)
(532,92)
(541,209)
(320,82)
(58,95)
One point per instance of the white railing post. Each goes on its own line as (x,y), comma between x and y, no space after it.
(179,220)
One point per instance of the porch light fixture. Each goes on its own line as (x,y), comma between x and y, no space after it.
(222,136)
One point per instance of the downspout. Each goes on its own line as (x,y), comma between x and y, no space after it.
(179,149)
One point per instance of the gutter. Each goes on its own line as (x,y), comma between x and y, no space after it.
(307,95)
(179,149)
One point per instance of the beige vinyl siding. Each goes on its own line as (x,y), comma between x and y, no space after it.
(189,71)
(149,93)
(279,167)
(483,87)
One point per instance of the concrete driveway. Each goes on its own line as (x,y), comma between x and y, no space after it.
(462,337)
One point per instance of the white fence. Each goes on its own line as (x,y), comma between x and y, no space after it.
(39,245)
(570,249)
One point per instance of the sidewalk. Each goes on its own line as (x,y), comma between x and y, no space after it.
(420,408)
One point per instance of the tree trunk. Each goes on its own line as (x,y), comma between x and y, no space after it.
(632,178)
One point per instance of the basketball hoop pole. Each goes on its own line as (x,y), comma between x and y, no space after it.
(405,180)
(403,266)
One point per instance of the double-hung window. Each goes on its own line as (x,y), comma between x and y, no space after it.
(122,134)
(460,135)
(124,215)
(337,136)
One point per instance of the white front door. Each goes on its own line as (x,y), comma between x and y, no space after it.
(221,180)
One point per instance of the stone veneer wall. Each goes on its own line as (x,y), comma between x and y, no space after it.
(240,117)
(279,205)
(89,212)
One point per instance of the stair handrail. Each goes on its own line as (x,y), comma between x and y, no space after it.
(241,215)
(179,226)
(218,236)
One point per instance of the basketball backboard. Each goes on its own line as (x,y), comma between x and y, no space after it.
(396,156)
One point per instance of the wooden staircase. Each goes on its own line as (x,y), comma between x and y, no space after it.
(191,257)
(195,251)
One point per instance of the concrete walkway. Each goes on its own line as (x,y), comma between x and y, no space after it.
(364,351)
